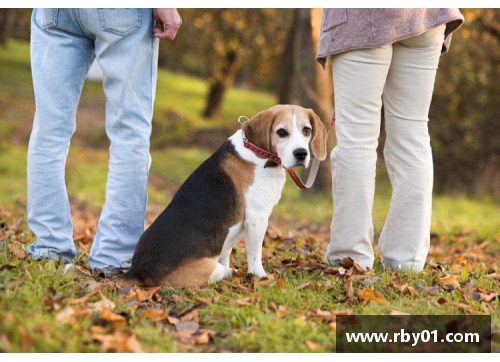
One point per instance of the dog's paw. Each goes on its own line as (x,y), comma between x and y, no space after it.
(228,272)
(259,273)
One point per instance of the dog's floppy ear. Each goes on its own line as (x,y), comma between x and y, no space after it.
(258,129)
(318,140)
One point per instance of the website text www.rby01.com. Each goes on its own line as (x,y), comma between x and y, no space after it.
(414,338)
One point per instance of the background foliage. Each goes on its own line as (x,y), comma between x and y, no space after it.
(248,48)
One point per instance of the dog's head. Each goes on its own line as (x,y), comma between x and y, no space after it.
(287,131)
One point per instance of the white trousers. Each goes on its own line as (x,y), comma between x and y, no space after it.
(401,77)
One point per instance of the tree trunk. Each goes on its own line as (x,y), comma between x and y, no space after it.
(4,28)
(219,86)
(286,79)
(315,84)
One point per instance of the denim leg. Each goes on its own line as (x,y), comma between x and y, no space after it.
(127,53)
(60,59)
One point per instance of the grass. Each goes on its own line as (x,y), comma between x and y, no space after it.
(34,295)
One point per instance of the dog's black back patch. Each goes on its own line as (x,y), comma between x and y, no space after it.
(195,223)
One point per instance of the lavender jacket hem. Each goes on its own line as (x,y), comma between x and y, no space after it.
(348,29)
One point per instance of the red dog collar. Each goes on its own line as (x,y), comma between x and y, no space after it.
(263,153)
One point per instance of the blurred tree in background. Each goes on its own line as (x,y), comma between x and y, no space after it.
(274,49)
(220,44)
(465,111)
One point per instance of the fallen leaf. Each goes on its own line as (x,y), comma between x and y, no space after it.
(310,345)
(448,280)
(120,342)
(187,327)
(368,295)
(429,290)
(65,315)
(109,316)
(5,344)
(303,286)
(397,312)
(440,301)
(172,320)
(347,262)
(244,301)
(141,294)
(155,315)
(25,338)
(203,338)
(349,290)
(281,312)
(103,303)
(280,284)
(17,251)
(83,299)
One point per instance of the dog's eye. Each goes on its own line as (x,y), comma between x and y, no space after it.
(306,131)
(282,132)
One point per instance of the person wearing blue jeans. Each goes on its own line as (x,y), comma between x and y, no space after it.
(64,43)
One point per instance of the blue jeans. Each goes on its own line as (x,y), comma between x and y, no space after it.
(64,43)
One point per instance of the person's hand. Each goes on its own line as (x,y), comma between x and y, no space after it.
(168,22)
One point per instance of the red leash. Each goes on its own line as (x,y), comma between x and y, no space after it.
(314,166)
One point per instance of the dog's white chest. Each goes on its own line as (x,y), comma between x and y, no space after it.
(265,192)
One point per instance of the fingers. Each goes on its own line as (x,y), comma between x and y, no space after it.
(165,31)
(168,23)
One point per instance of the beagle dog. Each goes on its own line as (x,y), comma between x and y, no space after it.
(229,196)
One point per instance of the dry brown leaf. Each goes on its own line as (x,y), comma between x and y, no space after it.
(244,301)
(440,301)
(103,303)
(83,299)
(272,306)
(448,279)
(349,290)
(203,338)
(303,286)
(368,295)
(281,312)
(141,294)
(120,342)
(342,312)
(203,301)
(347,262)
(5,343)
(65,315)
(397,312)
(187,327)
(17,251)
(185,338)
(492,276)
(311,346)
(172,320)
(280,284)
(191,316)
(155,315)
(264,281)
(109,316)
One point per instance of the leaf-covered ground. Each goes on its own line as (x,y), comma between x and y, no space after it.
(45,308)
(42,308)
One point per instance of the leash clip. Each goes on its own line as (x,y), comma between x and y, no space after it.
(239,120)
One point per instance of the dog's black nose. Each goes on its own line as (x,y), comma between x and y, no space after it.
(300,154)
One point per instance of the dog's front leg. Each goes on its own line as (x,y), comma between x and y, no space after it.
(254,237)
